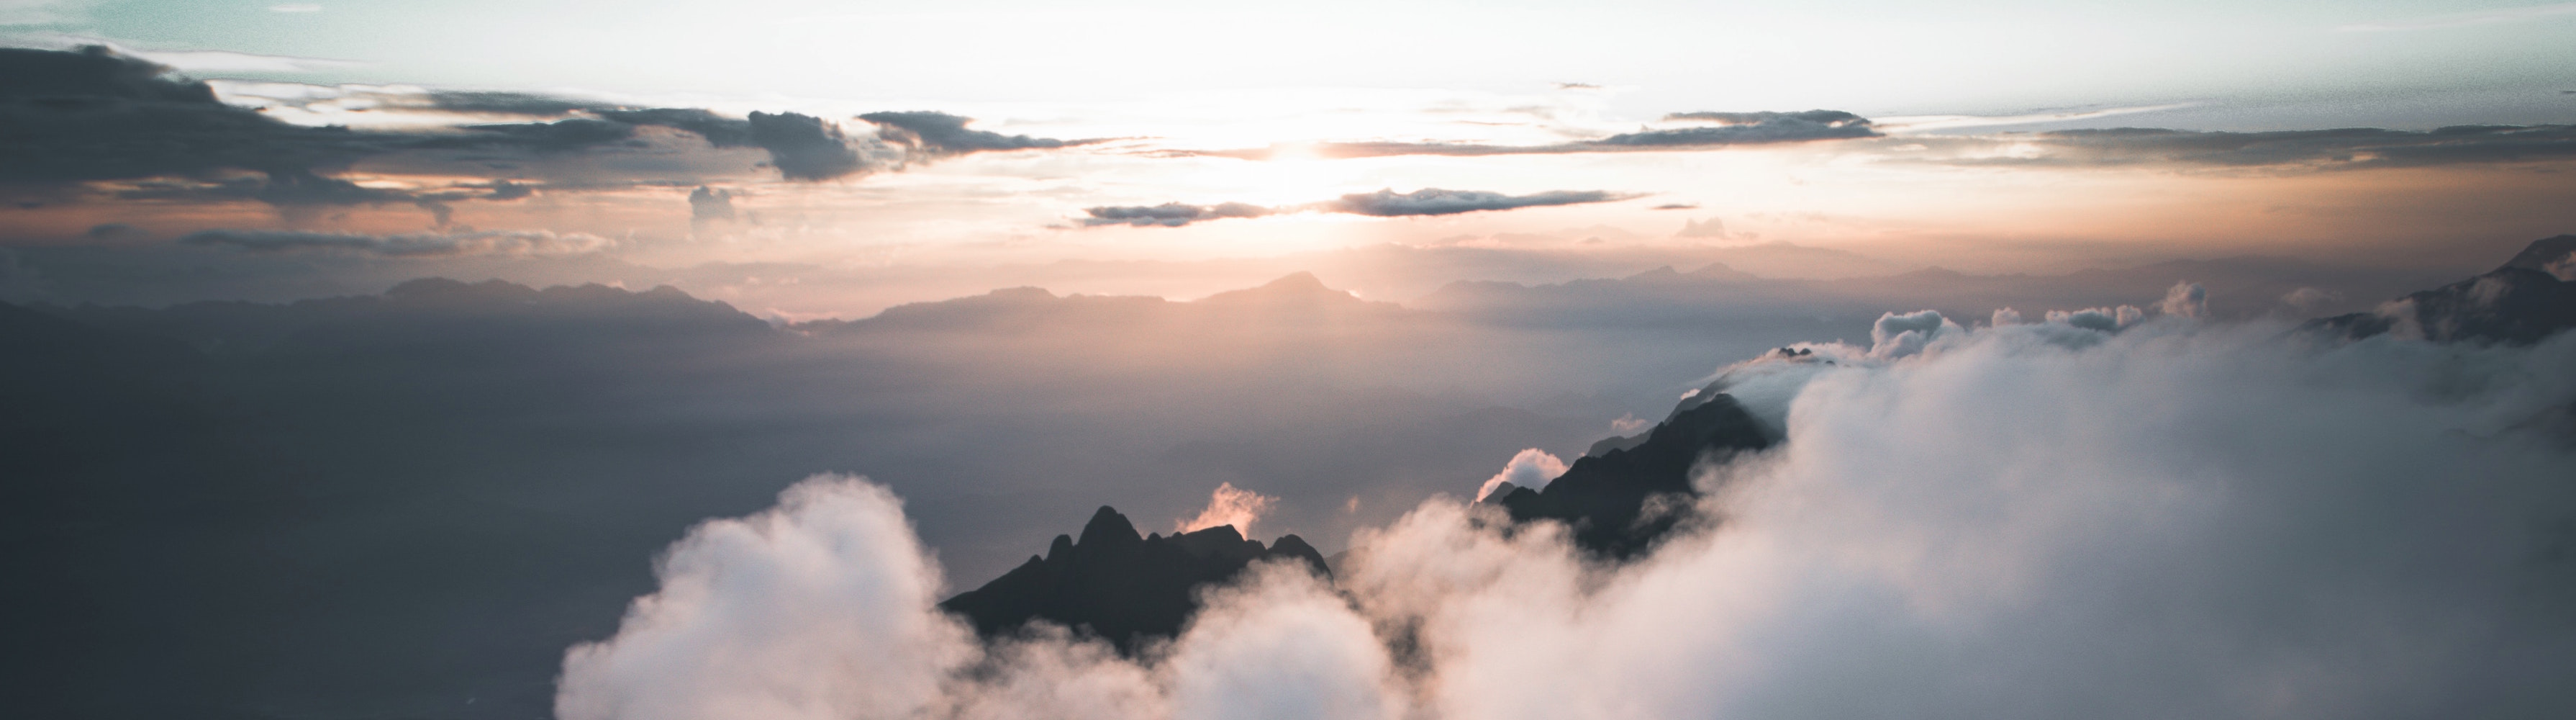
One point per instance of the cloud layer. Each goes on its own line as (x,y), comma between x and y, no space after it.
(2344,148)
(2026,521)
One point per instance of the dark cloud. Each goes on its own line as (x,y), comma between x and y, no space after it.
(95,115)
(479,242)
(89,115)
(1748,128)
(938,133)
(1383,203)
(2336,148)
(803,147)
(710,205)
(1734,128)
(1435,201)
(1170,214)
(560,136)
(506,103)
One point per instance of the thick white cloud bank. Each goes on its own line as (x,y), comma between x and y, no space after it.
(2040,520)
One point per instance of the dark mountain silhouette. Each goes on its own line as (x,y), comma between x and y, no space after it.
(1118,586)
(2519,303)
(1614,500)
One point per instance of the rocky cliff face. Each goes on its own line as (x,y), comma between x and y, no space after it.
(1119,586)
(2527,299)
(1611,500)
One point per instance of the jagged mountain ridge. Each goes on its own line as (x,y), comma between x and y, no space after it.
(1119,586)
(2526,299)
(1607,499)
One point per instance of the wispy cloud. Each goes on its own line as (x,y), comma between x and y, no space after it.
(476,242)
(1708,130)
(2342,148)
(1383,203)
(1918,123)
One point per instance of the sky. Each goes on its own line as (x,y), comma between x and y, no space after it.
(1963,136)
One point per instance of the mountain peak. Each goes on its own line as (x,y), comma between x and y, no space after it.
(1108,527)
(1295,288)
(1120,587)
(2549,255)
(1300,281)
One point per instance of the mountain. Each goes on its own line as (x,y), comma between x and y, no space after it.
(1610,499)
(2528,298)
(1118,586)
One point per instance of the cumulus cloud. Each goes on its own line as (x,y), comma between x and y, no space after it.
(2186,299)
(1902,334)
(1228,505)
(1531,468)
(1383,203)
(2181,522)
(2100,319)
(813,610)
(430,244)
(938,133)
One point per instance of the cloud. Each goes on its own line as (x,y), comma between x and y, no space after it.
(709,205)
(1533,468)
(2186,299)
(1169,214)
(94,114)
(1229,505)
(1748,128)
(1629,424)
(1383,203)
(432,244)
(936,133)
(2176,523)
(2028,521)
(2104,319)
(1435,201)
(802,147)
(2343,148)
(1919,123)
(1731,129)
(814,610)
(1902,334)
(507,103)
